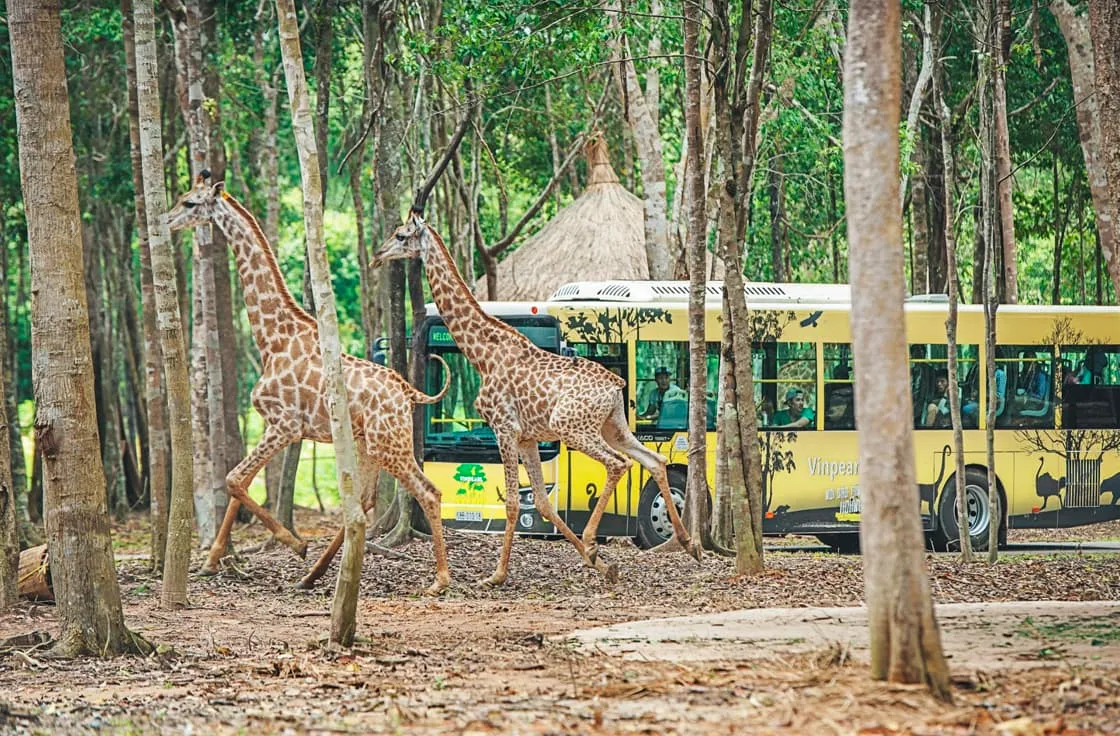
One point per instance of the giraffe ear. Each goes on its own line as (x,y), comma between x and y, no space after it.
(218,190)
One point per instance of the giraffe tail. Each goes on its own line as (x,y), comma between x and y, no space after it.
(423,398)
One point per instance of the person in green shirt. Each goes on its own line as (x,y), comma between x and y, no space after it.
(796,415)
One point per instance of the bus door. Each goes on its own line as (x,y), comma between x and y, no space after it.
(585,477)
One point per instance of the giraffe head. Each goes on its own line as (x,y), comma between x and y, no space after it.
(196,207)
(410,240)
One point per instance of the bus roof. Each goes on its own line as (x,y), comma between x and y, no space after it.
(677,291)
(498,309)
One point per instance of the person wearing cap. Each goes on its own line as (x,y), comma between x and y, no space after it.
(796,415)
(656,396)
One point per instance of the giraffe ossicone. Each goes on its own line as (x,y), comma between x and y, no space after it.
(291,395)
(530,395)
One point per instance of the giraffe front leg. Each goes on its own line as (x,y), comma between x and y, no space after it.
(274,439)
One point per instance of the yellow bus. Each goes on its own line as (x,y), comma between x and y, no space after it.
(1057,394)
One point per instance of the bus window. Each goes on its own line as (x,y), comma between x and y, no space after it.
(785,376)
(1091,387)
(929,385)
(1024,386)
(839,390)
(661,386)
(453,429)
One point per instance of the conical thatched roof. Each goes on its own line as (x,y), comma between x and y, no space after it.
(597,237)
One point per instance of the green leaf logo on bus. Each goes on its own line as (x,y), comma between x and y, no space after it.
(471,477)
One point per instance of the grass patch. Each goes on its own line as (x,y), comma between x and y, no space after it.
(1097,632)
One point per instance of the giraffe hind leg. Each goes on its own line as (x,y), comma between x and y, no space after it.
(618,436)
(531,457)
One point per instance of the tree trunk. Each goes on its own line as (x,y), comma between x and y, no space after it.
(945,120)
(9,532)
(1104,27)
(905,644)
(211,495)
(696,499)
(1075,28)
(776,188)
(29,534)
(736,109)
(84,578)
(642,117)
(926,31)
(919,221)
(1003,152)
(344,609)
(165,289)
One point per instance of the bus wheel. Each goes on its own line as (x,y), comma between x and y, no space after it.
(981,515)
(846,543)
(653,517)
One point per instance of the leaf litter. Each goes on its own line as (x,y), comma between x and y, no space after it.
(250,656)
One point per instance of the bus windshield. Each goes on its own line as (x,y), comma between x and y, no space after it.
(453,430)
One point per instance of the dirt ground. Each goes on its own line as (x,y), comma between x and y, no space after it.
(249,655)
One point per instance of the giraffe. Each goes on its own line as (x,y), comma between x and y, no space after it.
(290,395)
(530,395)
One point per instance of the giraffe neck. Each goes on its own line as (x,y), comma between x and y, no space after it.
(268,303)
(485,341)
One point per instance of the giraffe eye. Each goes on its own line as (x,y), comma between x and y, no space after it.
(400,237)
(190,205)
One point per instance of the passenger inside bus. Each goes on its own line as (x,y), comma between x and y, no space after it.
(937,403)
(796,415)
(922,381)
(970,411)
(1033,394)
(664,389)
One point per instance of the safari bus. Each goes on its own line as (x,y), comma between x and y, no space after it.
(1056,390)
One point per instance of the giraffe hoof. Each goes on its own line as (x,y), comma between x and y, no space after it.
(208,571)
(304,585)
(591,552)
(493,581)
(695,549)
(301,548)
(612,573)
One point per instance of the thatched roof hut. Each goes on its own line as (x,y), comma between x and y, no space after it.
(599,236)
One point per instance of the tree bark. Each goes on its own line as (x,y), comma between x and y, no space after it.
(84,578)
(905,644)
(344,609)
(165,289)
(1003,152)
(1075,28)
(919,222)
(1104,27)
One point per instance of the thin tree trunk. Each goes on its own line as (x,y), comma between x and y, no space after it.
(696,504)
(945,120)
(171,337)
(919,221)
(344,609)
(1003,152)
(905,644)
(925,76)
(29,534)
(83,575)
(9,532)
(777,215)
(1060,218)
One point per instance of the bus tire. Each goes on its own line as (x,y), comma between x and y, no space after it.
(845,543)
(981,516)
(653,520)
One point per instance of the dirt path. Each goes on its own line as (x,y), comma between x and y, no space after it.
(975,636)
(248,656)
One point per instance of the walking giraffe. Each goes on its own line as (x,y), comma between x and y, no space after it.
(290,395)
(530,395)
